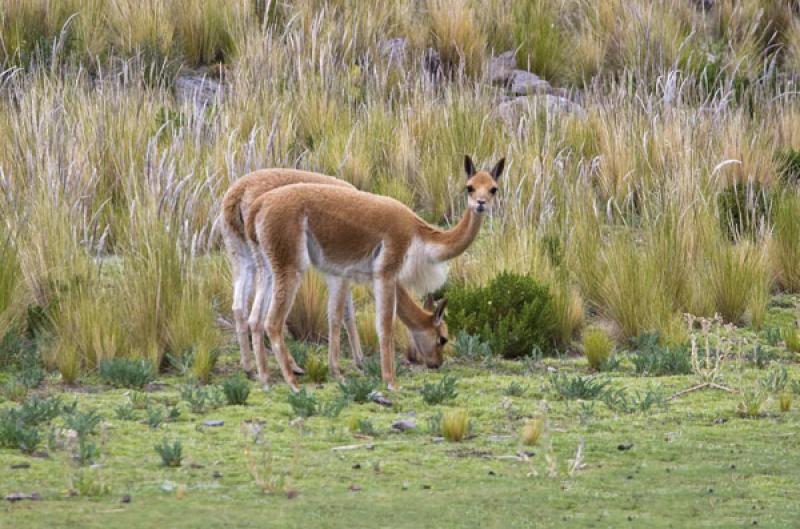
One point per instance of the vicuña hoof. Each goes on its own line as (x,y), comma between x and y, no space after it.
(297,370)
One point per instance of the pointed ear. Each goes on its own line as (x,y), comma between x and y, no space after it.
(498,169)
(469,167)
(438,314)
(428,304)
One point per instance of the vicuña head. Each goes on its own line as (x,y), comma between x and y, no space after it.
(427,342)
(481,186)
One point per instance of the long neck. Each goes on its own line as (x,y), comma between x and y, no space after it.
(453,242)
(412,315)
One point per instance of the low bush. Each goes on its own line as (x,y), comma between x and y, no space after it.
(572,387)
(127,373)
(303,404)
(358,389)
(236,390)
(653,358)
(171,452)
(440,391)
(513,313)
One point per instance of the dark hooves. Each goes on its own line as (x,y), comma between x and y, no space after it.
(299,371)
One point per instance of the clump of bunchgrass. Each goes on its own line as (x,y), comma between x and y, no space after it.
(751,404)
(515,389)
(532,431)
(791,338)
(785,402)
(597,346)
(455,425)
(316,369)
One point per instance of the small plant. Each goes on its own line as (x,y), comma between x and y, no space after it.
(585,411)
(173,412)
(653,358)
(358,389)
(37,410)
(471,347)
(155,416)
(435,424)
(127,373)
(303,404)
(750,405)
(15,390)
(624,402)
(772,335)
(202,398)
(577,387)
(455,425)
(796,387)
(532,431)
(16,433)
(514,313)
(84,423)
(171,453)
(441,391)
(236,390)
(316,369)
(597,346)
(515,389)
(334,408)
(759,356)
(775,381)
(125,412)
(87,451)
(139,400)
(88,483)
(182,364)
(363,427)
(785,402)
(791,337)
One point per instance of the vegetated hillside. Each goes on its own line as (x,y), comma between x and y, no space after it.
(652,154)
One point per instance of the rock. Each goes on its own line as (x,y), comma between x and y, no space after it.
(378,398)
(394,50)
(525,83)
(404,424)
(125,498)
(355,488)
(19,466)
(500,69)
(499,438)
(623,447)
(198,88)
(213,423)
(19,496)
(437,439)
(168,486)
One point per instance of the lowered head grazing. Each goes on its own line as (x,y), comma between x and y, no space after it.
(428,343)
(481,186)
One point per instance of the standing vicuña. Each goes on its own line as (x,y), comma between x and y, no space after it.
(427,330)
(358,236)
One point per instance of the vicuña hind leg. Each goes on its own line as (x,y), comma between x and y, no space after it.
(257,314)
(352,330)
(337,299)
(284,289)
(242,271)
(385,300)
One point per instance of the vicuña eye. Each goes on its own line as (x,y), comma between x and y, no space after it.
(470,189)
(442,340)
(493,190)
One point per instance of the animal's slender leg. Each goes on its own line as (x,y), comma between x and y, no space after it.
(256,320)
(242,282)
(284,289)
(337,299)
(352,329)
(385,304)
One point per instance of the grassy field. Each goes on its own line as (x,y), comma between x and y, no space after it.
(650,201)
(696,460)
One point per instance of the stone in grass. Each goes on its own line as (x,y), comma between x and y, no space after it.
(525,83)
(403,425)
(500,69)
(19,496)
(378,398)
(214,422)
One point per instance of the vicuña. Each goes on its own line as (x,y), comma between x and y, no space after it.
(358,236)
(428,332)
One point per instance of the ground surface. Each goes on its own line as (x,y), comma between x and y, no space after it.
(693,464)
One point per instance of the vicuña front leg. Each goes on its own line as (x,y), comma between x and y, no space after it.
(338,288)
(284,289)
(352,330)
(385,299)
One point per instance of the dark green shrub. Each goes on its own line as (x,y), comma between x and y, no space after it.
(358,389)
(513,313)
(236,390)
(651,357)
(577,387)
(38,410)
(303,404)
(171,453)
(127,373)
(439,392)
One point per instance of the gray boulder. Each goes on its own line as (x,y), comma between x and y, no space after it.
(500,69)
(525,83)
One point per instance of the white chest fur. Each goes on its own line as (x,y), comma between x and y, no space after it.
(420,272)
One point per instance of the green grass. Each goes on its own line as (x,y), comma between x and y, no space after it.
(685,466)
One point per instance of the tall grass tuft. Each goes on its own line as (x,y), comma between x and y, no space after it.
(785,244)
